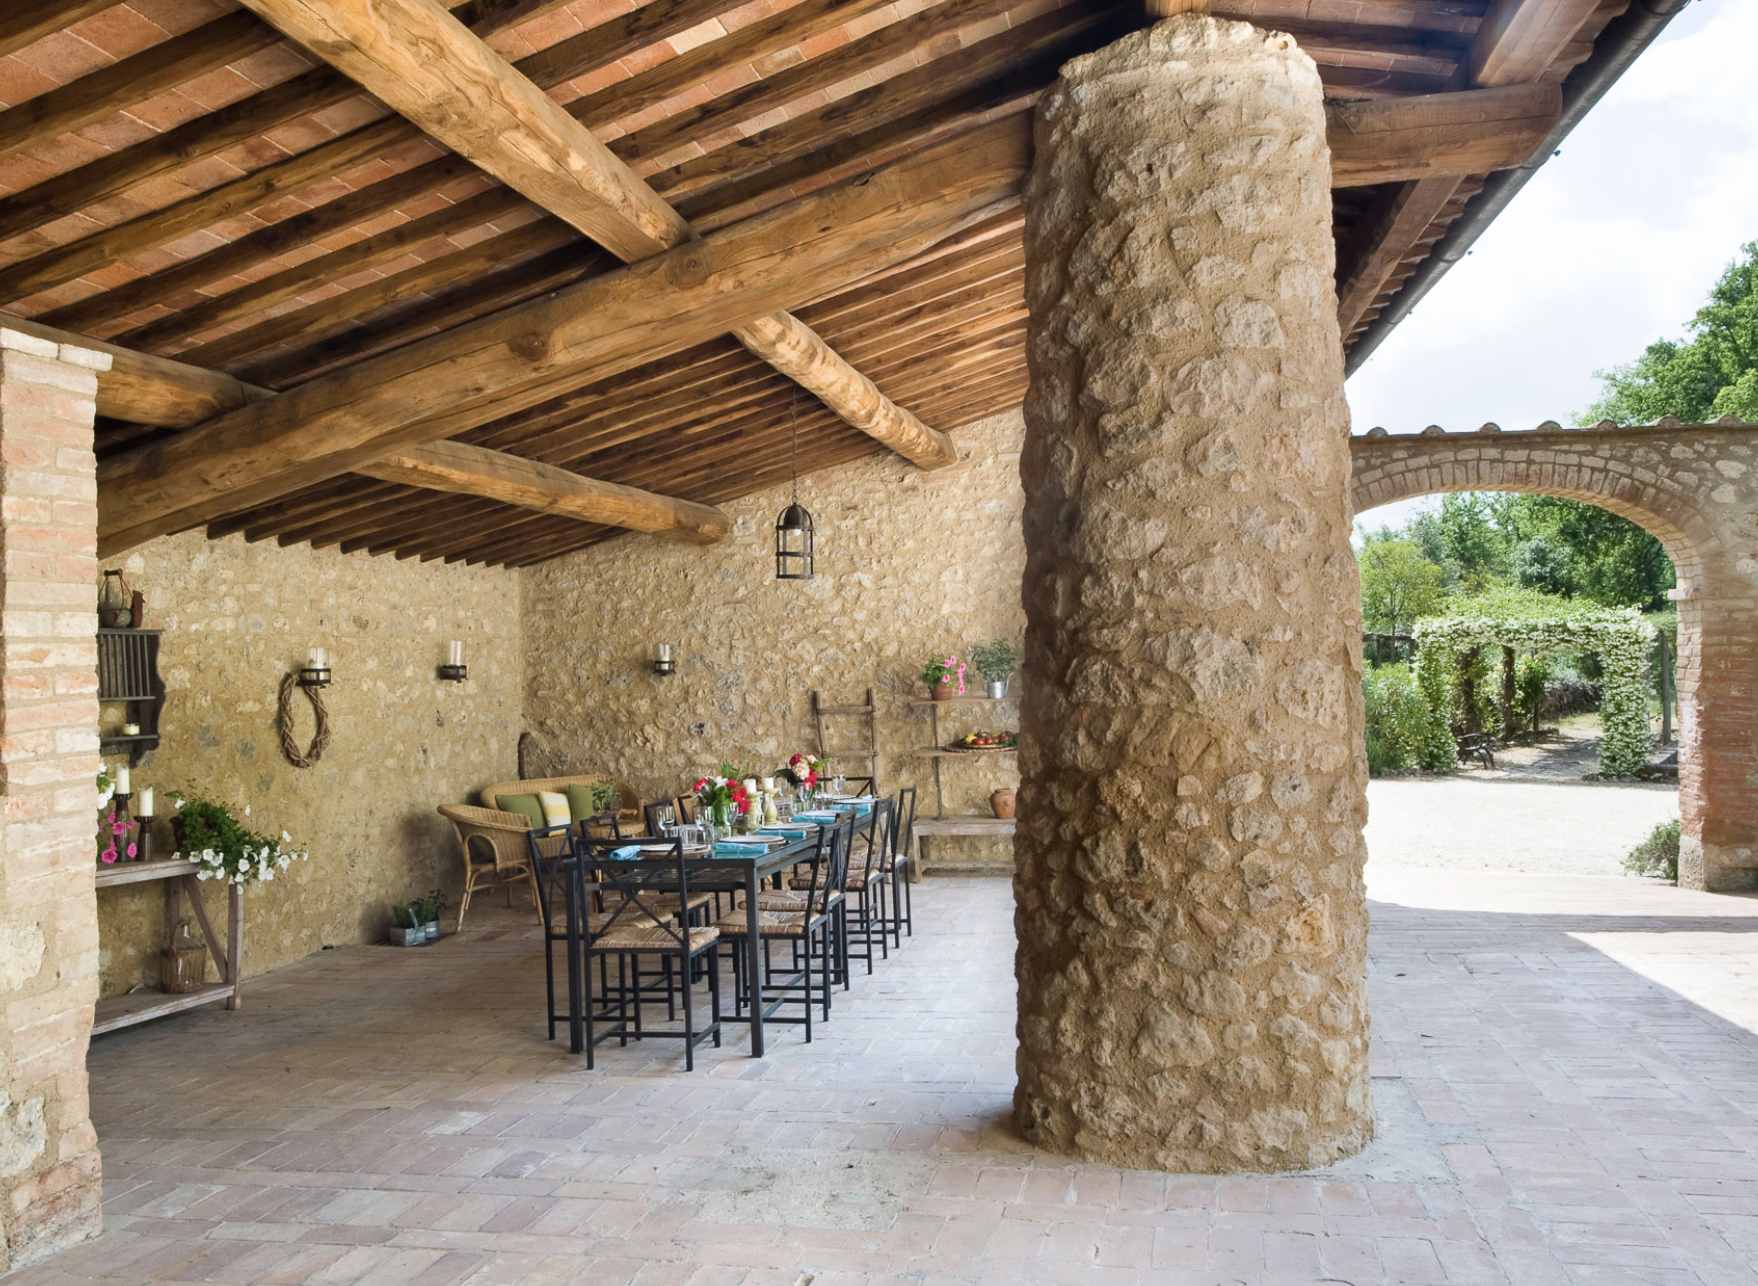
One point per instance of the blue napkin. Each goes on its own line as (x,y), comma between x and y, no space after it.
(732,848)
(627,853)
(784,828)
(817,816)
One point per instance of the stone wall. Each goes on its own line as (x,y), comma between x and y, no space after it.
(909,563)
(237,616)
(49,1167)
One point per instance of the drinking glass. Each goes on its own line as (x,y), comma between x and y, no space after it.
(839,785)
(668,823)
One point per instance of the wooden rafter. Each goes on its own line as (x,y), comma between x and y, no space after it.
(495,475)
(1472,131)
(420,60)
(439,388)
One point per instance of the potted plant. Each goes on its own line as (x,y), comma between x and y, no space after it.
(427,911)
(222,848)
(996,661)
(944,676)
(406,930)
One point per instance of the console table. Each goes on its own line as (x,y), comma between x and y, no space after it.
(140,1006)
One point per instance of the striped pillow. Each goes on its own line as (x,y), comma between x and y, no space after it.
(555,808)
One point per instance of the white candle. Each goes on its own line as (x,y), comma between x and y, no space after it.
(146,801)
(664,652)
(750,785)
(768,784)
(455,653)
(122,781)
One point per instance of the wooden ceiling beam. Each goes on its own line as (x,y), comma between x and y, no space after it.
(441,387)
(148,389)
(421,61)
(1393,224)
(1472,131)
(510,479)
(1520,39)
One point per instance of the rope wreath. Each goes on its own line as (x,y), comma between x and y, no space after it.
(284,721)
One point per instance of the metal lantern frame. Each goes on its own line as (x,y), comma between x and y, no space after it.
(795,538)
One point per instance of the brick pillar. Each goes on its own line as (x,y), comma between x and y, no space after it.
(1191,916)
(49,1171)
(1718,734)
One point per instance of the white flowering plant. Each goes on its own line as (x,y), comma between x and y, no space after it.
(1537,625)
(222,848)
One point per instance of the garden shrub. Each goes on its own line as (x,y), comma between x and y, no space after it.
(1618,638)
(1396,718)
(1658,855)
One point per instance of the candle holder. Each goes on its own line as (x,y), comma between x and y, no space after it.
(665,660)
(315,673)
(143,839)
(454,673)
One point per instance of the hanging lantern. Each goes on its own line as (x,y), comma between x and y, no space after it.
(793,530)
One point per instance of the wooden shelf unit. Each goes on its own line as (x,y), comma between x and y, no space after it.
(128,673)
(935,753)
(141,1006)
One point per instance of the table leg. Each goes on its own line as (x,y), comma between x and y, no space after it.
(235,944)
(754,957)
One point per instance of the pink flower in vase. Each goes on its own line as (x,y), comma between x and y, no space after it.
(108,856)
(133,850)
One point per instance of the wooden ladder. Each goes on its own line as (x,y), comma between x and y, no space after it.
(822,715)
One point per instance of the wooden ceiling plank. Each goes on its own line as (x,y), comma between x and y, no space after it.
(588,331)
(530,238)
(451,305)
(131,81)
(511,479)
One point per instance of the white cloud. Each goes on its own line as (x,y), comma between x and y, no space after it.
(1612,245)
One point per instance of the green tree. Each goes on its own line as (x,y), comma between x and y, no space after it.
(1398,585)
(1581,550)
(1711,374)
(1472,537)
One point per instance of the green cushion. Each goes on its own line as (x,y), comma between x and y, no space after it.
(481,851)
(580,802)
(526,805)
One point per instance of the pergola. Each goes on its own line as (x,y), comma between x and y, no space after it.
(492,283)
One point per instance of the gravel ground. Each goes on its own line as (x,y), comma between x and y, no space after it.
(1498,823)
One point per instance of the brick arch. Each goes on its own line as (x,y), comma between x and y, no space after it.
(1695,488)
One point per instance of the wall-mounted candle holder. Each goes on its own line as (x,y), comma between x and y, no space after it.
(665,660)
(454,670)
(316,671)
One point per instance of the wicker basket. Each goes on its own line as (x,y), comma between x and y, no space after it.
(183,969)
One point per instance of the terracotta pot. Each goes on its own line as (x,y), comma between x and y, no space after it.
(944,691)
(1003,802)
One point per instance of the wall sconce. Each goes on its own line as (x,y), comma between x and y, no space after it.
(665,659)
(316,673)
(454,670)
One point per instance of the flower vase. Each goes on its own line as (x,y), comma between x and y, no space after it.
(997,689)
(720,817)
(944,690)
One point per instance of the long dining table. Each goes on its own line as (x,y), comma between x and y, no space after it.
(722,871)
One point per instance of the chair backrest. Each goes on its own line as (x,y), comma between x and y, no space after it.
(877,827)
(859,785)
(829,864)
(654,813)
(646,882)
(906,820)
(552,855)
(689,807)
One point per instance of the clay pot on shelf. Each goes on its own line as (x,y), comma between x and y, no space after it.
(944,691)
(1003,801)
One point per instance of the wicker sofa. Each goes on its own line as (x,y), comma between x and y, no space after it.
(492,838)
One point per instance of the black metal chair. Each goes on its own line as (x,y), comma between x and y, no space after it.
(864,884)
(900,866)
(641,893)
(558,893)
(811,934)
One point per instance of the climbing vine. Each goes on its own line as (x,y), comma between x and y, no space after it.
(1537,625)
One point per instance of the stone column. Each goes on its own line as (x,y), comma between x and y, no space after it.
(1192,926)
(49,1174)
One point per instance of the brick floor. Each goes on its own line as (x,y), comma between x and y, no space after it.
(1564,1075)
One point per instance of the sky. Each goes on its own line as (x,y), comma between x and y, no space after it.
(1610,246)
